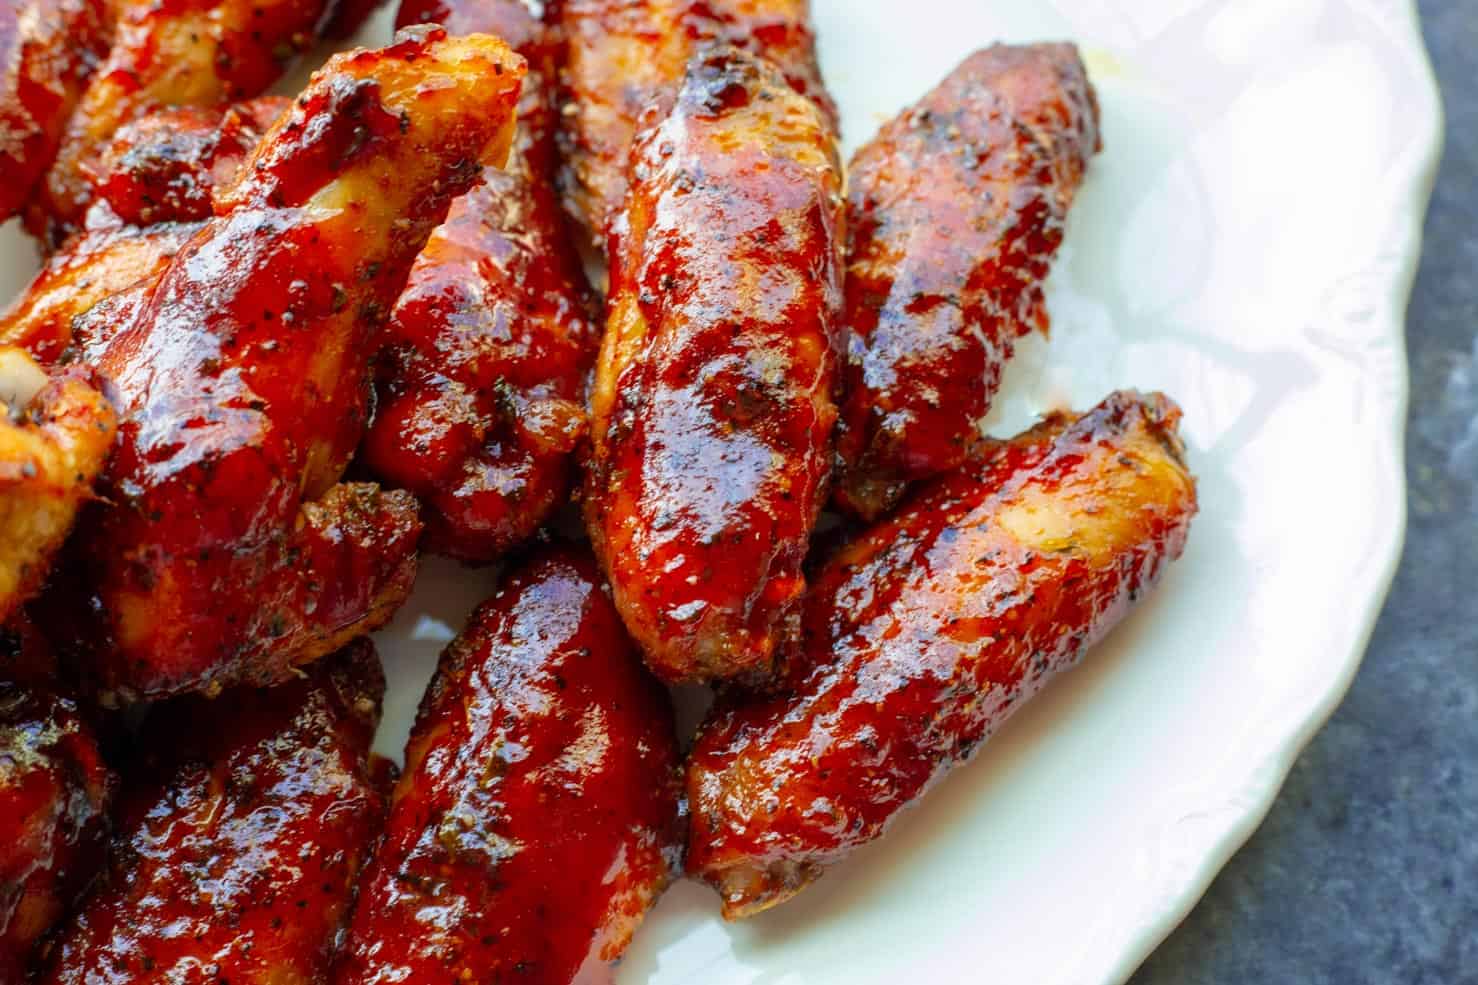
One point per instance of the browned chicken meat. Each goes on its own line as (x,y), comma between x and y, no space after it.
(241,831)
(627,59)
(925,633)
(481,390)
(537,819)
(713,404)
(224,552)
(955,211)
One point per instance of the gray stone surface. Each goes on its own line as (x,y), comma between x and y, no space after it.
(1366,871)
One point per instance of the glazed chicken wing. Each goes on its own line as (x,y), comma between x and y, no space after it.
(240,836)
(171,53)
(537,819)
(627,58)
(924,634)
(480,398)
(955,211)
(713,405)
(55,791)
(242,383)
(54,438)
(48,49)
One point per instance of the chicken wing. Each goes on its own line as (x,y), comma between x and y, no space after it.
(713,406)
(242,383)
(481,390)
(170,53)
(54,438)
(55,791)
(48,49)
(955,211)
(627,58)
(240,838)
(537,819)
(164,167)
(927,632)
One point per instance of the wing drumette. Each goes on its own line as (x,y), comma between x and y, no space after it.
(955,211)
(171,53)
(537,818)
(927,632)
(712,409)
(242,383)
(48,49)
(240,837)
(481,389)
(54,438)
(55,791)
(627,58)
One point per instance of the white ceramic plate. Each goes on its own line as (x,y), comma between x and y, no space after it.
(1246,243)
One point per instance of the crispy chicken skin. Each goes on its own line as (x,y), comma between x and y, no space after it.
(925,633)
(48,48)
(171,53)
(241,831)
(955,211)
(91,266)
(627,58)
(481,389)
(55,791)
(54,438)
(537,819)
(713,408)
(164,167)
(242,383)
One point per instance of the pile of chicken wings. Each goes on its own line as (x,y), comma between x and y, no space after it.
(281,346)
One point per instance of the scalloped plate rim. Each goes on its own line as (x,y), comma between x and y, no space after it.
(1419,178)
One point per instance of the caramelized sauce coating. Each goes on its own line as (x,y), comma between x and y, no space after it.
(925,633)
(242,381)
(164,167)
(955,211)
(171,53)
(628,57)
(537,819)
(55,791)
(481,390)
(48,49)
(241,832)
(90,267)
(54,438)
(713,405)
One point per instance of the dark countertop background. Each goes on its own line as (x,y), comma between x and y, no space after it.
(1366,870)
